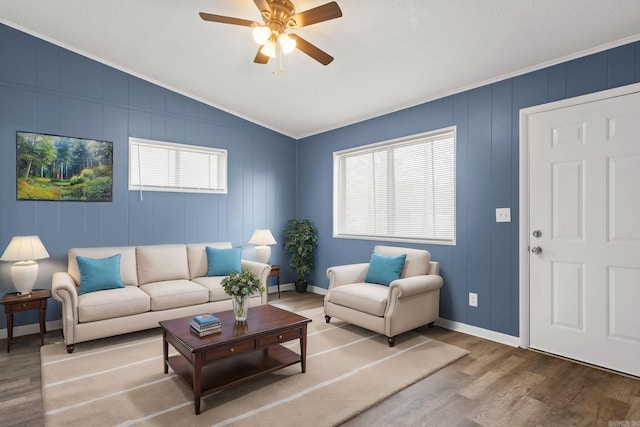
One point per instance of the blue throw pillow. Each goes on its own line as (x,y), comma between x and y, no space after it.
(99,274)
(224,261)
(384,269)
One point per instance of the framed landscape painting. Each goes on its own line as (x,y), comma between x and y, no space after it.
(51,167)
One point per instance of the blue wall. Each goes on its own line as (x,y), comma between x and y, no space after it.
(47,89)
(485,258)
(44,88)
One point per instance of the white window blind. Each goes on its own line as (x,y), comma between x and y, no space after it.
(399,190)
(165,166)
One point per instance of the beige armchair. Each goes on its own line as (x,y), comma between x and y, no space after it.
(411,301)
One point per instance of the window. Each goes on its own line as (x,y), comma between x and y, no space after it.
(164,166)
(399,190)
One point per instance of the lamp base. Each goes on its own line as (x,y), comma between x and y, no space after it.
(263,253)
(24,275)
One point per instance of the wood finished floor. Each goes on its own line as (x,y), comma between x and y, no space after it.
(495,385)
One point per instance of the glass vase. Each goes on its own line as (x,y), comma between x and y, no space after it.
(240,307)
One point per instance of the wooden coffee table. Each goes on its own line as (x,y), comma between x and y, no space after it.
(242,351)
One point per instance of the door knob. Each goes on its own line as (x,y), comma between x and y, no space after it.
(536,250)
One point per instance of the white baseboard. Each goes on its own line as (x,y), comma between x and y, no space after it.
(479,332)
(317,290)
(444,323)
(447,324)
(291,287)
(33,328)
(273,289)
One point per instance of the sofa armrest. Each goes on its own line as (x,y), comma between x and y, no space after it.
(262,271)
(63,289)
(346,274)
(415,285)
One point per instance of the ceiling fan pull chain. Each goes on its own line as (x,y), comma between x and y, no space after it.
(279,55)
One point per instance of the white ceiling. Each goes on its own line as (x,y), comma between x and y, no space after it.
(389,54)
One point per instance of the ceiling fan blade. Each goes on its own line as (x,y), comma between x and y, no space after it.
(262,5)
(313,51)
(227,20)
(317,14)
(261,58)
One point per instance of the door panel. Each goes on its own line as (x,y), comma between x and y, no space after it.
(584,198)
(568,295)
(568,200)
(624,294)
(624,178)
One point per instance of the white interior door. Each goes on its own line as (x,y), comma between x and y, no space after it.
(584,208)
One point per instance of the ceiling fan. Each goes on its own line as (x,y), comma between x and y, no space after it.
(278,17)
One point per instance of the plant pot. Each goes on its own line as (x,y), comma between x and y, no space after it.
(240,307)
(301,286)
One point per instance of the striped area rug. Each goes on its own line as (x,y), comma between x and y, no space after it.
(119,381)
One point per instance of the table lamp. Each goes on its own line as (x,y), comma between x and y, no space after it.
(262,238)
(25,250)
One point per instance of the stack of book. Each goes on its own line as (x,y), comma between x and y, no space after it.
(205,324)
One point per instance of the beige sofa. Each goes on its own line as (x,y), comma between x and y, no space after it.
(411,301)
(161,282)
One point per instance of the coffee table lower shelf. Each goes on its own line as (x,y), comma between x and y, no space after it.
(234,370)
(240,352)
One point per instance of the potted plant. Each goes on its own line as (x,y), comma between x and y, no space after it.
(240,287)
(300,241)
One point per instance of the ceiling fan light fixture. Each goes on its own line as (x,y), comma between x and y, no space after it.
(261,34)
(278,17)
(287,43)
(269,49)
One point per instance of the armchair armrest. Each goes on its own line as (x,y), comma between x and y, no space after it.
(346,274)
(262,271)
(415,285)
(414,299)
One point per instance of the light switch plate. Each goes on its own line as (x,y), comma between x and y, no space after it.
(503,214)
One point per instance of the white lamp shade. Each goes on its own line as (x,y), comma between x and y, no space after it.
(24,249)
(262,238)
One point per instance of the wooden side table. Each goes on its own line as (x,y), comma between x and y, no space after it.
(275,272)
(14,303)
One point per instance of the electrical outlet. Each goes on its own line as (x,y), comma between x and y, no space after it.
(473,299)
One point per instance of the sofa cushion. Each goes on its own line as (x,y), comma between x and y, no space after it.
(198,260)
(216,293)
(365,297)
(99,274)
(162,262)
(384,269)
(128,269)
(416,263)
(112,303)
(175,293)
(223,262)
